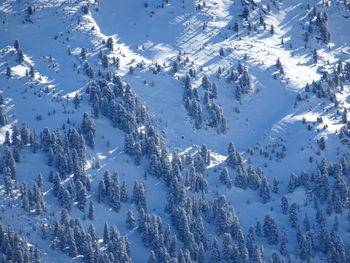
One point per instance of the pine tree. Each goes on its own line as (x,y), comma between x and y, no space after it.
(321,186)
(284,204)
(315,56)
(31,72)
(40,180)
(20,56)
(83,53)
(81,195)
(8,72)
(16,45)
(293,215)
(205,154)
(152,257)
(16,154)
(124,192)
(215,253)
(76,101)
(110,43)
(91,215)
(66,200)
(130,220)
(245,13)
(9,162)
(105,61)
(241,177)
(56,184)
(30,9)
(236,27)
(85,9)
(89,130)
(139,195)
(283,244)
(227,246)
(258,255)
(8,181)
(322,143)
(279,66)
(114,197)
(293,183)
(106,236)
(306,223)
(231,159)
(270,230)
(264,190)
(275,185)
(101,192)
(225,178)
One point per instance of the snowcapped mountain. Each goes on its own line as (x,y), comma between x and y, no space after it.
(174,131)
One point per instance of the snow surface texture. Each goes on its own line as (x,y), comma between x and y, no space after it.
(167,85)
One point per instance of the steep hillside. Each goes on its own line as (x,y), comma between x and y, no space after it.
(174,131)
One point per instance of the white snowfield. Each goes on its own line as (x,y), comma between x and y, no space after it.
(267,121)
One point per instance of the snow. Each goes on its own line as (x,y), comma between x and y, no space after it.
(155,34)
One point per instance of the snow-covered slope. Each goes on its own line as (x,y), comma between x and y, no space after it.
(175,131)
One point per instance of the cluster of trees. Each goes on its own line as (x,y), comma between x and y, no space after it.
(70,158)
(68,235)
(329,185)
(194,178)
(246,176)
(3,115)
(76,192)
(242,80)
(116,101)
(318,23)
(328,190)
(20,59)
(19,52)
(8,169)
(248,16)
(88,70)
(160,240)
(215,117)
(15,249)
(192,103)
(275,149)
(32,200)
(179,174)
(279,67)
(331,83)
(190,213)
(325,88)
(104,57)
(111,191)
(311,238)
(66,153)
(344,133)
(88,130)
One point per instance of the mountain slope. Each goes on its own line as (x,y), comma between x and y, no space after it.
(176,131)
